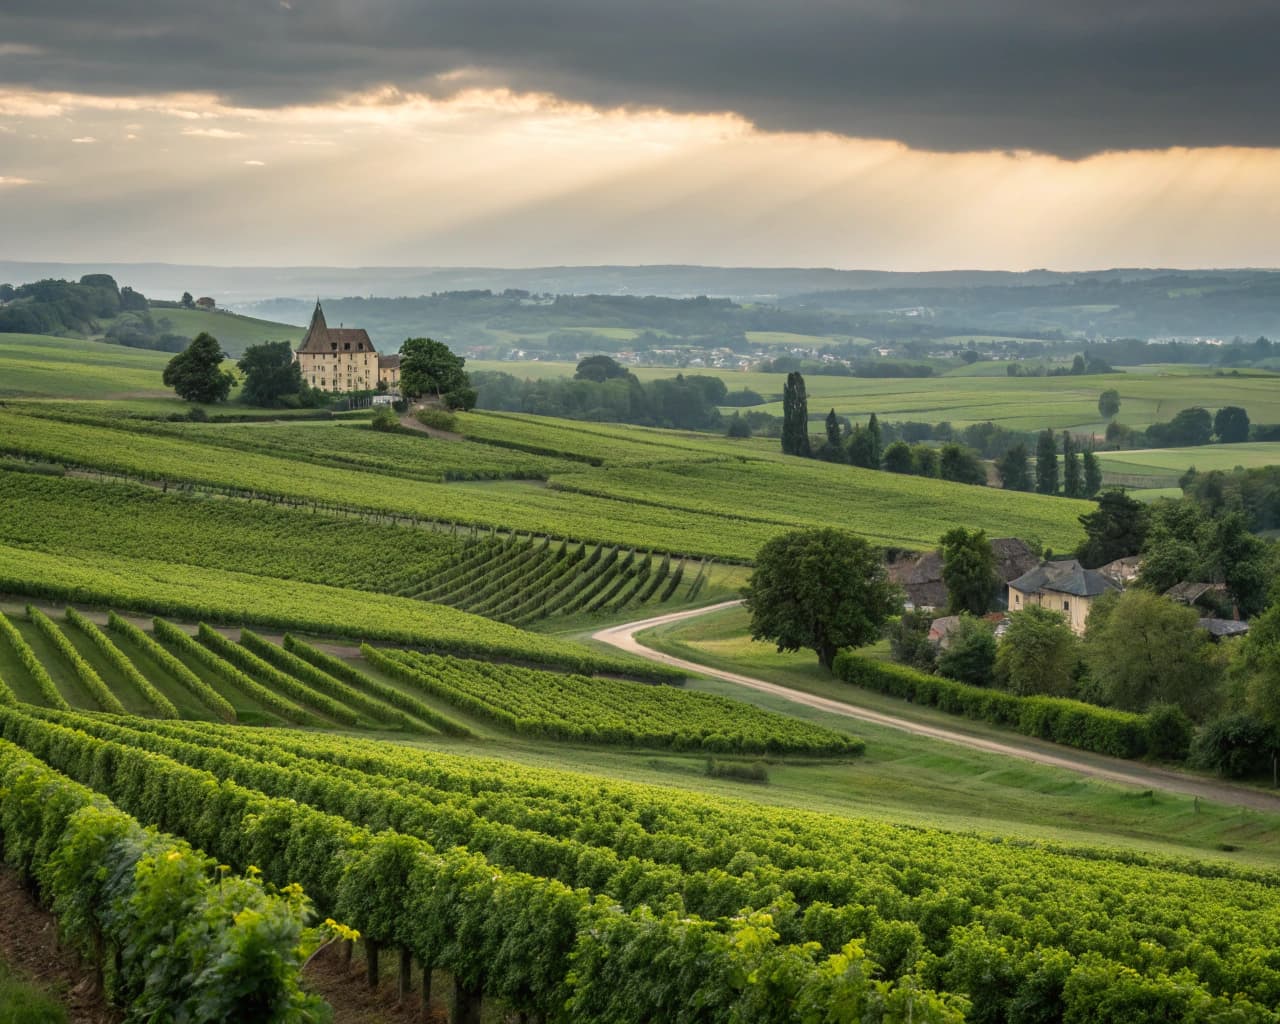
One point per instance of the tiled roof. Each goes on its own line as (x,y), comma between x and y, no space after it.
(1068,577)
(320,337)
(391,361)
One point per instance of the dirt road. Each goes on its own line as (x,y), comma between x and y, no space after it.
(1097,766)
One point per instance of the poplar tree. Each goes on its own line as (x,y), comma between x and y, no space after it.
(1072,478)
(795,417)
(1046,463)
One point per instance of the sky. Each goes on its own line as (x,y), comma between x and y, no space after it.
(885,134)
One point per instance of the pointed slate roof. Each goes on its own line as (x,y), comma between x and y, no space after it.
(1069,577)
(320,337)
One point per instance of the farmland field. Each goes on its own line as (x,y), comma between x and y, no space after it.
(1168,464)
(37,365)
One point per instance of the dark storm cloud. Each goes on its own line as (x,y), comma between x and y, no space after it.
(1070,77)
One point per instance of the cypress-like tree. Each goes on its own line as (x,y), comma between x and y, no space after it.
(1072,478)
(877,441)
(795,417)
(1015,469)
(1046,463)
(1092,474)
(833,429)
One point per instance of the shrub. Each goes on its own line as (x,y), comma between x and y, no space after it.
(1235,745)
(385,419)
(756,771)
(437,419)
(1169,732)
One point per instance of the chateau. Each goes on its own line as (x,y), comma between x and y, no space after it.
(343,358)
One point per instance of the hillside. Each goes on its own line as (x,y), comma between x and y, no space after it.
(234,331)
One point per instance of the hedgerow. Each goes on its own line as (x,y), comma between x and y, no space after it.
(1072,723)
(32,664)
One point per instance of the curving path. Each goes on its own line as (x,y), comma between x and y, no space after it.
(1097,766)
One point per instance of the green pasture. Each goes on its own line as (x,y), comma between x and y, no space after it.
(235,332)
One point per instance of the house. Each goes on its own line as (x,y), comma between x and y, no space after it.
(206,303)
(1066,587)
(1123,570)
(337,359)
(1221,629)
(389,370)
(921,577)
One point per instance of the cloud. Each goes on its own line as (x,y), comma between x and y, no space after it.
(7,181)
(1046,75)
(214,133)
(84,140)
(255,163)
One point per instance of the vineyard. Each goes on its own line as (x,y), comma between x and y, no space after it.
(210,676)
(569,897)
(547,705)
(740,504)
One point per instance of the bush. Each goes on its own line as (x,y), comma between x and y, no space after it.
(1069,722)
(437,419)
(753,772)
(385,419)
(1235,745)
(1169,732)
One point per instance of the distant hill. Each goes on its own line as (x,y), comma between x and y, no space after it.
(234,286)
(233,331)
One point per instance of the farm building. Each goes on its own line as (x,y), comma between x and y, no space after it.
(1066,587)
(921,578)
(343,358)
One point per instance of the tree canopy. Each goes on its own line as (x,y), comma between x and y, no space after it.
(1231,424)
(1117,528)
(429,367)
(1038,654)
(196,373)
(270,373)
(968,570)
(821,589)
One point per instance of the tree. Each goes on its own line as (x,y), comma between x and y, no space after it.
(196,372)
(909,641)
(738,426)
(1188,428)
(1014,469)
(1109,403)
(1231,424)
(1117,528)
(926,460)
(600,369)
(861,448)
(960,465)
(1230,552)
(833,429)
(187,301)
(1038,654)
(428,367)
(822,589)
(970,654)
(897,458)
(795,417)
(1046,463)
(1092,473)
(968,570)
(1072,477)
(270,373)
(1143,649)
(877,441)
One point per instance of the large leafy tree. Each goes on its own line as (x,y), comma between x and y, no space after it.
(1231,424)
(968,570)
(196,372)
(428,367)
(600,369)
(795,416)
(820,589)
(1143,649)
(1117,528)
(1109,403)
(1046,463)
(270,373)
(960,465)
(1038,654)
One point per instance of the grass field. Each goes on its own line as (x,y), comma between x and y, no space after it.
(1168,464)
(233,331)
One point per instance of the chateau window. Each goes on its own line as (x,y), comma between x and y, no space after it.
(333,345)
(1066,606)
(346,345)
